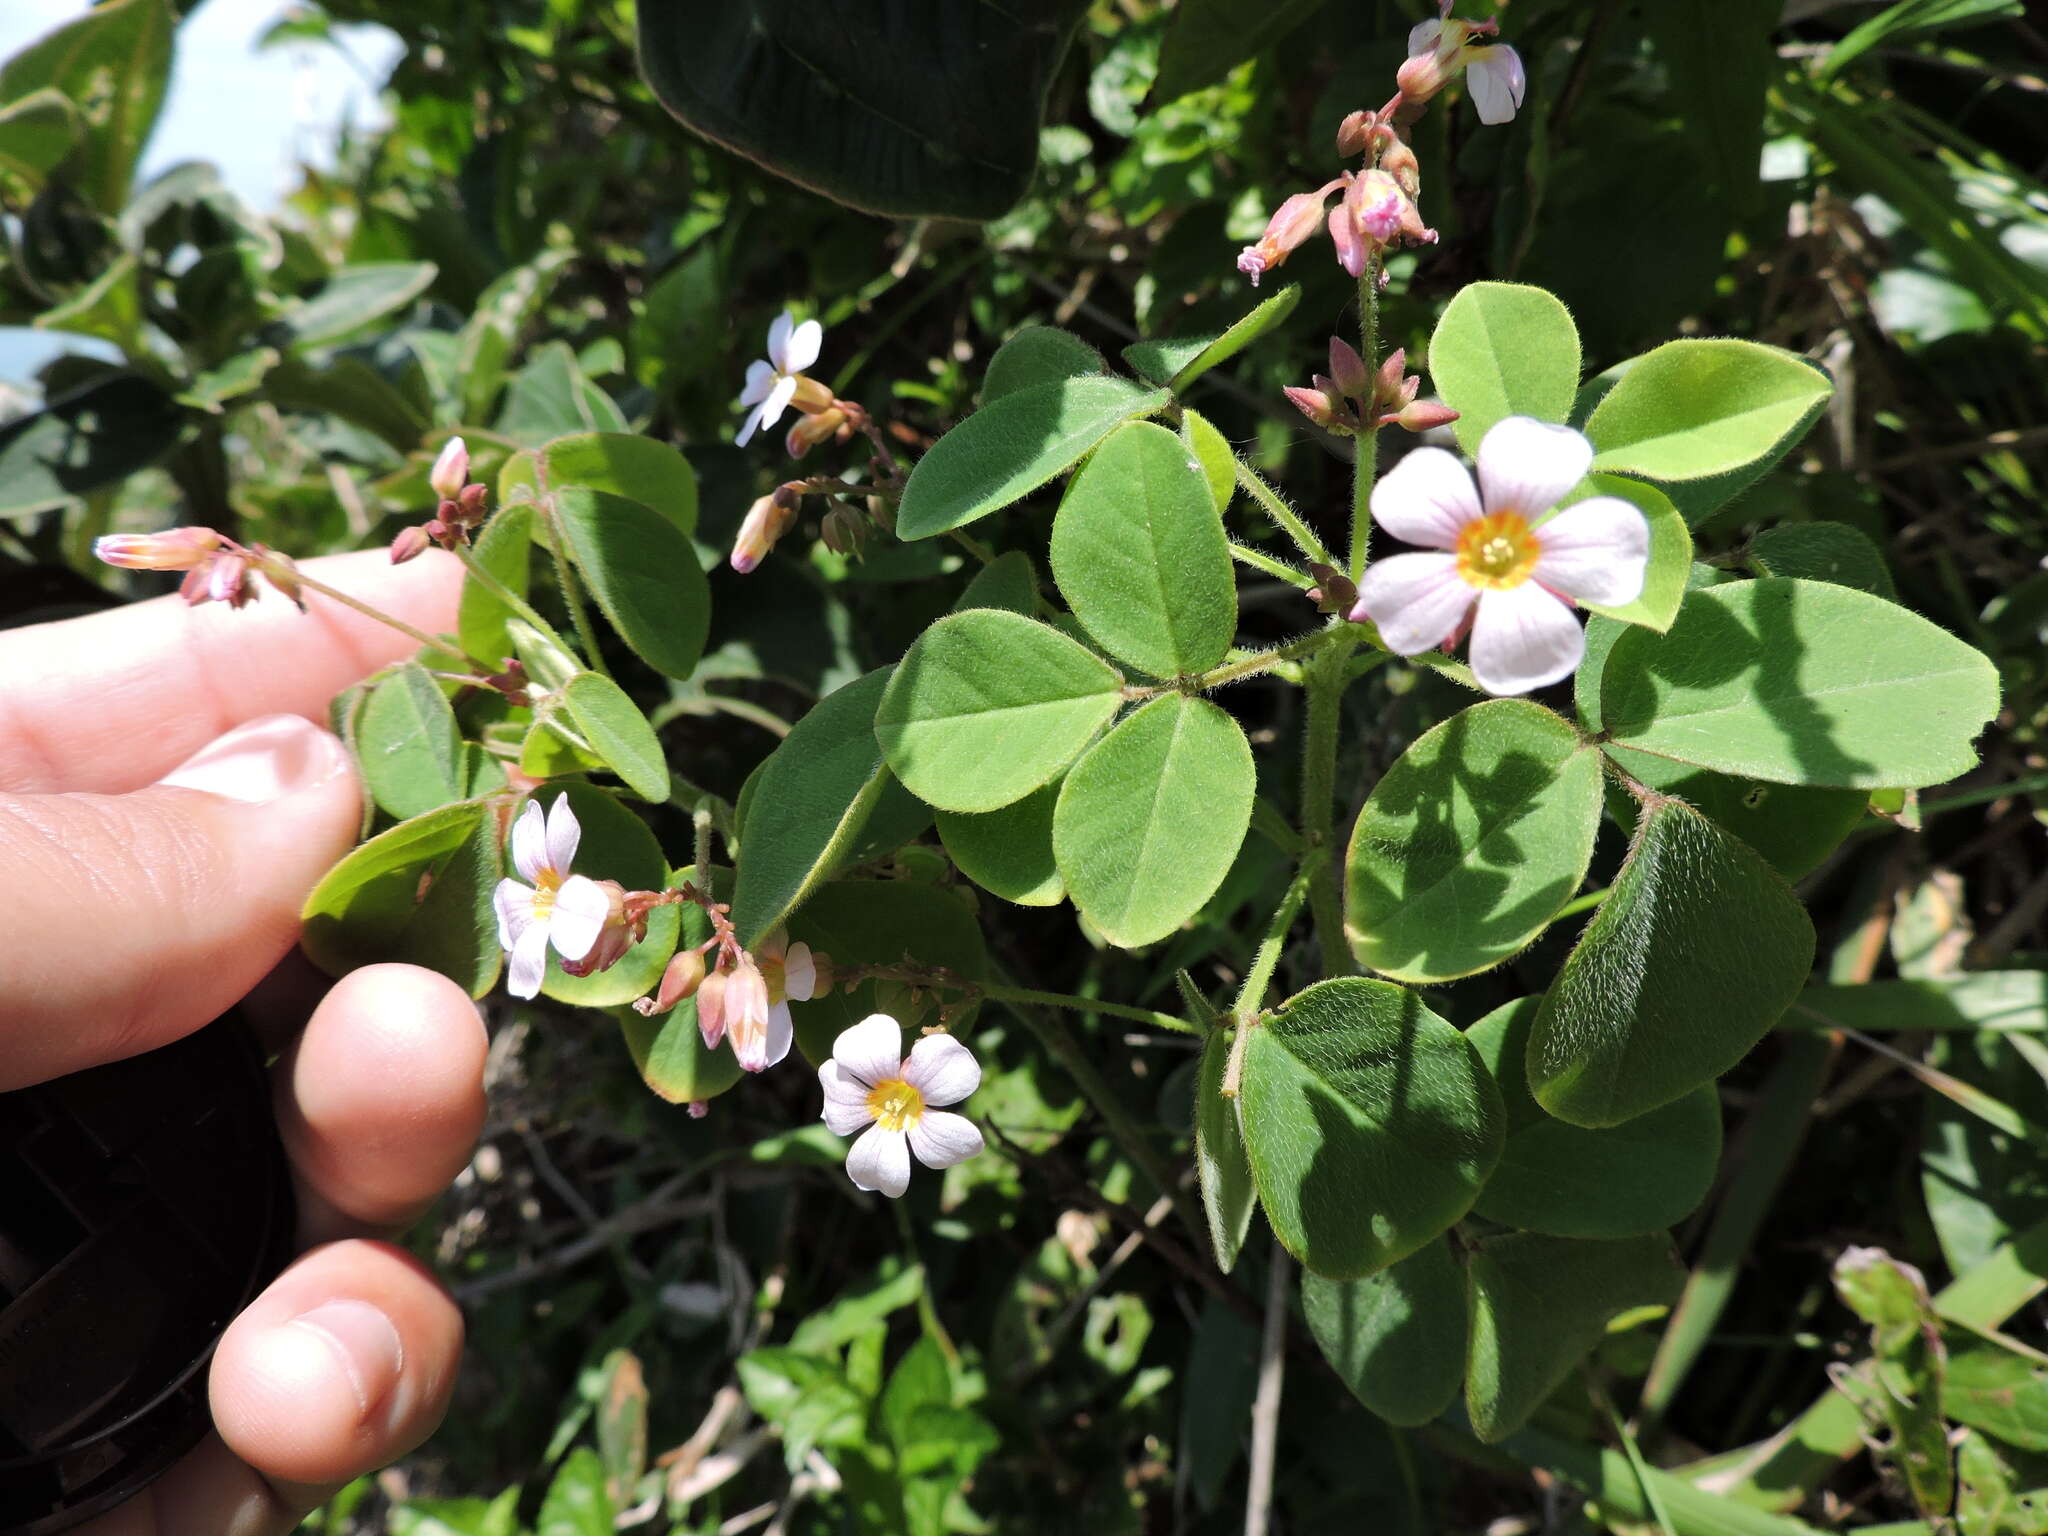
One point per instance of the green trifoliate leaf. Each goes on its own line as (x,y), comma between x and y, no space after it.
(669,1048)
(1371,1124)
(1007,450)
(809,804)
(1005,582)
(1225,1175)
(1178,361)
(1538,1306)
(1504,349)
(615,845)
(618,733)
(1693,409)
(1150,819)
(1824,552)
(1471,843)
(987,706)
(1139,553)
(1038,354)
(1008,852)
(419,893)
(1397,1337)
(1567,1181)
(1685,966)
(1664,579)
(1801,682)
(642,571)
(408,743)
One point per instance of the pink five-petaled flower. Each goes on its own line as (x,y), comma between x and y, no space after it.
(1510,565)
(773,384)
(1439,49)
(869,1083)
(553,906)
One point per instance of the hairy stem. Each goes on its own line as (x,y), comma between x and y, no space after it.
(508,597)
(1075,1004)
(1365,464)
(1275,507)
(1326,678)
(572,595)
(335,594)
(1252,995)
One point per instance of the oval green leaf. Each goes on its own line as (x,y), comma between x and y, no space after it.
(1567,1181)
(987,705)
(505,549)
(408,743)
(1007,450)
(643,573)
(1824,551)
(1005,582)
(418,893)
(1038,354)
(613,725)
(1692,409)
(809,805)
(1801,682)
(1213,452)
(1222,1169)
(1150,819)
(1470,844)
(1397,1338)
(616,845)
(1008,853)
(1138,551)
(1504,349)
(621,463)
(1371,1124)
(1538,1305)
(1699,949)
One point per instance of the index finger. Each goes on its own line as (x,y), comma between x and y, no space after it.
(112,701)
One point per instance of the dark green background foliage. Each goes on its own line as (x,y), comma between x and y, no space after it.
(1039,1340)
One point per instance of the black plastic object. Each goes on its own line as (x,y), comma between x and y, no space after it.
(142,1205)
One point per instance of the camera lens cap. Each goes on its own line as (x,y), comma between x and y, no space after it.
(142,1205)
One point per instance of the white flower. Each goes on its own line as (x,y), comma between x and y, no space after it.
(771,385)
(567,910)
(754,1006)
(1439,49)
(867,1085)
(1510,566)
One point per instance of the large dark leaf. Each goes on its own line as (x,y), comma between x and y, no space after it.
(900,107)
(85,440)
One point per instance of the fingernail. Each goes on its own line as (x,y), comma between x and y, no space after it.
(261,761)
(363,1342)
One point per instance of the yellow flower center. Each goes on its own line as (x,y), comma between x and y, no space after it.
(895,1105)
(545,887)
(1497,551)
(774,978)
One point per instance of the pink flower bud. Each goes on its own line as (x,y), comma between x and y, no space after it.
(1313,404)
(410,544)
(683,979)
(469,506)
(1292,223)
(809,431)
(767,520)
(746,1014)
(1347,368)
(222,578)
(1422,415)
(1399,162)
(451,470)
(698,1109)
(1354,133)
(282,572)
(711,1009)
(175,549)
(1387,384)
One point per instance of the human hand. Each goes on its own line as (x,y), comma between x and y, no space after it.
(164,809)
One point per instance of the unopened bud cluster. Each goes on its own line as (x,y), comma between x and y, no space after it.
(1349,400)
(460,511)
(217,569)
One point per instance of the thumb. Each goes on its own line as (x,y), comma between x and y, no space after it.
(137,918)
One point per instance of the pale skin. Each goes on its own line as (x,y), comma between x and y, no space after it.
(155,907)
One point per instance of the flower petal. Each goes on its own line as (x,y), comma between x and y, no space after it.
(1497,81)
(781,1030)
(778,340)
(1596,550)
(564,833)
(805,343)
(1426,499)
(760,379)
(750,426)
(1524,637)
(1423,37)
(1526,465)
(940,1140)
(1417,601)
(581,908)
(530,843)
(880,1160)
(846,1100)
(872,1050)
(514,905)
(777,402)
(529,962)
(799,973)
(942,1069)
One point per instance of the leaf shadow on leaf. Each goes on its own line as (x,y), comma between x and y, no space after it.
(1709,646)
(1516,779)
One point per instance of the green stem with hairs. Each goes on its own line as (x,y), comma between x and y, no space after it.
(1275,507)
(335,594)
(1005,994)
(508,597)
(1252,995)
(1326,679)
(565,578)
(1365,464)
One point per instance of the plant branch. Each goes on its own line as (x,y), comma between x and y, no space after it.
(1326,679)
(1258,1503)
(1275,507)
(1366,464)
(1005,994)
(504,594)
(335,594)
